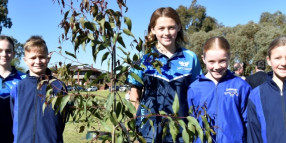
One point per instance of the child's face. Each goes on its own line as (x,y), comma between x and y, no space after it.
(6,53)
(37,62)
(166,31)
(278,62)
(216,61)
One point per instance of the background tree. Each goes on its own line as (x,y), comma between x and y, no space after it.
(195,19)
(5,21)
(248,42)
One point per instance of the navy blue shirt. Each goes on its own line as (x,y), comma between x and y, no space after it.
(266,113)
(160,89)
(30,123)
(6,122)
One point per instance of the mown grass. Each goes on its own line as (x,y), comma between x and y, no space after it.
(71,133)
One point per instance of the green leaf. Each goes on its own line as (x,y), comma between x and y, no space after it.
(113,118)
(208,136)
(206,123)
(90,36)
(141,139)
(128,22)
(128,32)
(152,125)
(131,124)
(173,130)
(182,124)
(165,128)
(119,138)
(118,110)
(135,57)
(82,21)
(193,121)
(87,75)
(139,45)
(104,57)
(70,54)
(115,36)
(162,112)
(94,10)
(66,14)
(44,107)
(136,77)
(186,136)
(120,41)
(130,106)
(64,102)
(101,22)
(90,25)
(109,102)
(54,100)
(176,105)
(83,45)
(71,20)
(157,65)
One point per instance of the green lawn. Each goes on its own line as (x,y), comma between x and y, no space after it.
(71,133)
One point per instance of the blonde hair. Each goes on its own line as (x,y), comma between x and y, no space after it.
(280,41)
(36,43)
(222,44)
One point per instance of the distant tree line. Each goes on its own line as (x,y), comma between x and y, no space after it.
(248,42)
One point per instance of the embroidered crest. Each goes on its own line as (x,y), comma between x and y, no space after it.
(231,92)
(184,64)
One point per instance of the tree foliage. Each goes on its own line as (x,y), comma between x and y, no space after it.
(195,19)
(248,42)
(5,21)
(92,24)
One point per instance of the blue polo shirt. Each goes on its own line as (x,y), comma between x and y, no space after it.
(178,72)
(6,121)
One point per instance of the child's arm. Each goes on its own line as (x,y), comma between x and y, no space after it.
(13,96)
(135,95)
(254,131)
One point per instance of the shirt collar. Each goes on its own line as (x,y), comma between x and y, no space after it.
(179,52)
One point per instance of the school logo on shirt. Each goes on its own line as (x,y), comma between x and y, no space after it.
(184,65)
(231,92)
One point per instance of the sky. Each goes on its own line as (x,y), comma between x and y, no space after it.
(42,17)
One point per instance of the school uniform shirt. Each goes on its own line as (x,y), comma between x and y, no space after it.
(225,103)
(160,89)
(30,123)
(6,122)
(266,113)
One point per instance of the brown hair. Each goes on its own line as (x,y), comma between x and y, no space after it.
(9,39)
(220,41)
(280,41)
(163,12)
(36,43)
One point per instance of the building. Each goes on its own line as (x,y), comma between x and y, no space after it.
(80,71)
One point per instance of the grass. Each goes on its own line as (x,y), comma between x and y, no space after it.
(71,133)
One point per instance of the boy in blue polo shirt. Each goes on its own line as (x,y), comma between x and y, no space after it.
(9,76)
(30,123)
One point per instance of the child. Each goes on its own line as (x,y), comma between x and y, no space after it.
(30,123)
(180,68)
(266,111)
(223,94)
(9,76)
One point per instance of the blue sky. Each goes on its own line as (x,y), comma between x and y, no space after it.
(42,17)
